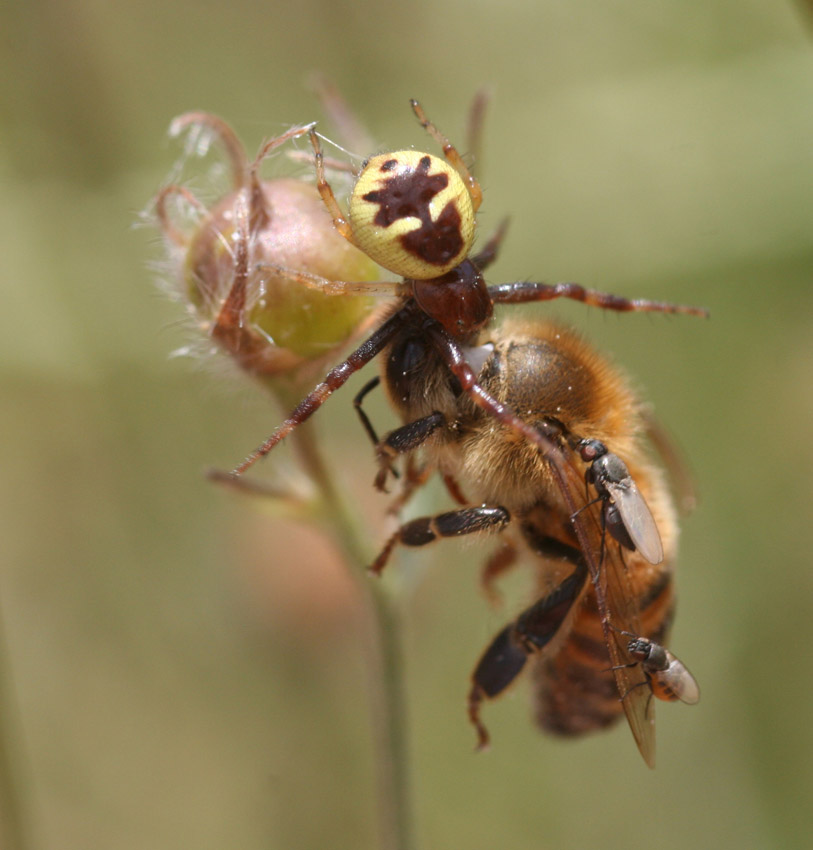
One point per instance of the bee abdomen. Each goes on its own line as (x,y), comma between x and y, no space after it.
(575,690)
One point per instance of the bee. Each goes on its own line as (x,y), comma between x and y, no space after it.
(497,408)
(586,674)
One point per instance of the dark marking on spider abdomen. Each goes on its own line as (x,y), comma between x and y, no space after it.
(408,194)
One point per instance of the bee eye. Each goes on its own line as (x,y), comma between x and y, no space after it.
(412,213)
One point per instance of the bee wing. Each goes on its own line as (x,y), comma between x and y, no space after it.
(633,686)
(638,520)
(618,607)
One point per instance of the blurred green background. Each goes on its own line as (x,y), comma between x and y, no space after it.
(185,671)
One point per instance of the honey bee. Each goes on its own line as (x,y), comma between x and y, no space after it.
(509,411)
(586,674)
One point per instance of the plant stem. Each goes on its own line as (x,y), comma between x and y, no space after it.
(13,833)
(384,660)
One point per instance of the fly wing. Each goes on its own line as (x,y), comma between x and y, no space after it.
(617,602)
(683,683)
(638,520)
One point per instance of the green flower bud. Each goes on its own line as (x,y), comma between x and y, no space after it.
(229,264)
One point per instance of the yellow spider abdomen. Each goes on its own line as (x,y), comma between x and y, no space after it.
(412,213)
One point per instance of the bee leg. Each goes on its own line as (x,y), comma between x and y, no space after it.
(536,626)
(393,445)
(501,663)
(453,489)
(427,529)
(502,559)
(415,477)
(365,419)
(505,657)
(405,439)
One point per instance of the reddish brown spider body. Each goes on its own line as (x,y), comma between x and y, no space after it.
(505,409)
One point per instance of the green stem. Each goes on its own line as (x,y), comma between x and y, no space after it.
(385,667)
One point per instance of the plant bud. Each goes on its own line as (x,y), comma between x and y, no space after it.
(231,262)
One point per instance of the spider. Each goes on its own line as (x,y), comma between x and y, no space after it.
(414,214)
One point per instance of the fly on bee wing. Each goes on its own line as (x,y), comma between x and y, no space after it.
(625,513)
(668,677)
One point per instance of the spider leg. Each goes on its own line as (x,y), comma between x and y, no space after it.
(334,379)
(523,292)
(452,155)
